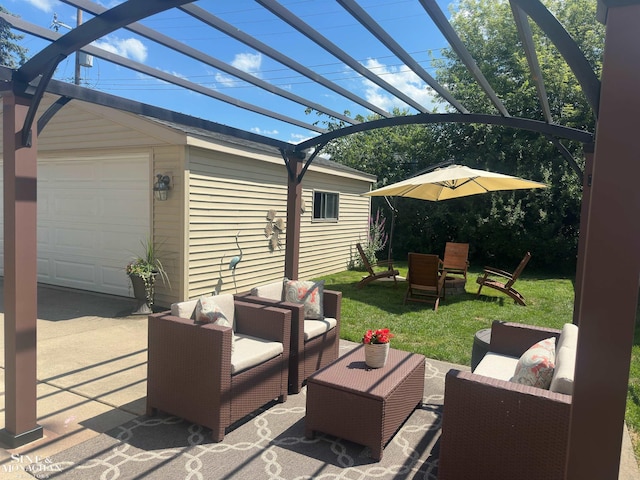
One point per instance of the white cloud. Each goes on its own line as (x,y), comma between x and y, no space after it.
(126,47)
(260,131)
(403,79)
(248,62)
(298,137)
(44,5)
(176,74)
(226,80)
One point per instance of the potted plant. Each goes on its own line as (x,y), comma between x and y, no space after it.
(376,347)
(142,272)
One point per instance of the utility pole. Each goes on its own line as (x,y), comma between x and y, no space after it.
(76,77)
(56,24)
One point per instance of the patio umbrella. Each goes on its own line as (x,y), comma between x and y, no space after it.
(452,182)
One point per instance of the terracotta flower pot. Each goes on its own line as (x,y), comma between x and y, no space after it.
(375,354)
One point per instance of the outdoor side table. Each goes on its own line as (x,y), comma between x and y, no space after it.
(349,400)
(481,342)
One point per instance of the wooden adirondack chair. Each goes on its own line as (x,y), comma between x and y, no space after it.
(455,258)
(373,275)
(426,281)
(504,287)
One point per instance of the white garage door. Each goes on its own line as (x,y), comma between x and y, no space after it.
(93,213)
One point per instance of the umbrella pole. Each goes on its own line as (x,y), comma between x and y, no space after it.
(393,222)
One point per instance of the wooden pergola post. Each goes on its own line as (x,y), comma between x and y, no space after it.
(584,217)
(294,206)
(611,258)
(20,275)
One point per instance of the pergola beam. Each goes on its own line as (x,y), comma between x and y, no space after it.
(568,48)
(278,56)
(161,75)
(202,57)
(322,41)
(424,118)
(454,40)
(524,31)
(388,41)
(113,19)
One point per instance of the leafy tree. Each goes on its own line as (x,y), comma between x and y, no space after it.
(543,221)
(500,227)
(12,55)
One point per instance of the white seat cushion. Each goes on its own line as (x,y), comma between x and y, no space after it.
(568,337)
(313,328)
(250,351)
(562,381)
(272,291)
(497,366)
(186,309)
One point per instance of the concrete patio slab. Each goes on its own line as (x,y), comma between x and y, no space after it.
(92,375)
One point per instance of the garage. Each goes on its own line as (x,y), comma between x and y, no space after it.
(93,213)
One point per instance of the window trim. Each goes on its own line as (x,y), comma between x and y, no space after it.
(324,193)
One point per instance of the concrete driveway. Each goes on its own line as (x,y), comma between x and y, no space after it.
(92,369)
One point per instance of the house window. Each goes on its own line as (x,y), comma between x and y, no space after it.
(325,206)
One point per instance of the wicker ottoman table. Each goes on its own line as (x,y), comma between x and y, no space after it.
(347,399)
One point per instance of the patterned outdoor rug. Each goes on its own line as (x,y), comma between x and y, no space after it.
(270,444)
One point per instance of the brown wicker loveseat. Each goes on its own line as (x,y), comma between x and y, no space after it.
(494,428)
(314,343)
(193,373)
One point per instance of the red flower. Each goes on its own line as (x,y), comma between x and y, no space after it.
(381,335)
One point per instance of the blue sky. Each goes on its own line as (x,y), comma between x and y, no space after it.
(406,20)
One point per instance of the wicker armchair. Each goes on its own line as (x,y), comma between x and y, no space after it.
(309,351)
(190,372)
(502,430)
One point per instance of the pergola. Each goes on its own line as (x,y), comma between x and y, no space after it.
(609,232)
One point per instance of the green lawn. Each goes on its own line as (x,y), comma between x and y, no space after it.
(448,333)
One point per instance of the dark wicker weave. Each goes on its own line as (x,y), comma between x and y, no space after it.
(502,430)
(367,406)
(307,357)
(189,367)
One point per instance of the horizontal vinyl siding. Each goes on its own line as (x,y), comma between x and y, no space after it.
(326,247)
(231,194)
(169,223)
